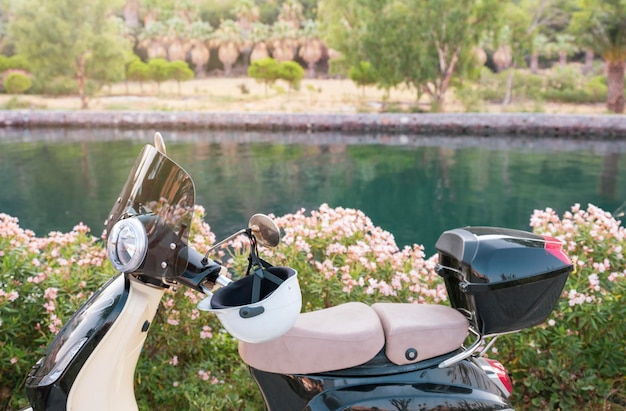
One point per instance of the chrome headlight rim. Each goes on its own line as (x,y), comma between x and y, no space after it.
(127,245)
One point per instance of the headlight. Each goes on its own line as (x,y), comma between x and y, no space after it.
(127,245)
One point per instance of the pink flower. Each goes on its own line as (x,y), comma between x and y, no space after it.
(14,360)
(50,293)
(174,360)
(206,332)
(49,306)
(204,375)
(13,295)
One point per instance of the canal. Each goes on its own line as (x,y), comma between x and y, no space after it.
(412,186)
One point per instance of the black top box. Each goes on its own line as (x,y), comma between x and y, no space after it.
(503,280)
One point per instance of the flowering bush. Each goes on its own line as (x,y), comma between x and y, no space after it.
(42,282)
(576,360)
(341,256)
(190,362)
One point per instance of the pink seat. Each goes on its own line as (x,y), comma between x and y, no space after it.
(351,334)
(331,339)
(417,332)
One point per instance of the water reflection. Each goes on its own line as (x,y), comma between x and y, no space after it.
(413,186)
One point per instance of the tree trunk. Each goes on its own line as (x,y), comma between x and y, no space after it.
(81,79)
(534,63)
(562,58)
(446,76)
(509,88)
(615,81)
(228,53)
(588,61)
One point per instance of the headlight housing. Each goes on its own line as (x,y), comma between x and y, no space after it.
(127,245)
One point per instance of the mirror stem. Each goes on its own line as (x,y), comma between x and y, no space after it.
(214,246)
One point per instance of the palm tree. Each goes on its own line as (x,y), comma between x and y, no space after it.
(480,55)
(604,22)
(259,35)
(291,12)
(152,39)
(177,39)
(199,33)
(131,13)
(503,57)
(562,46)
(283,41)
(228,41)
(539,46)
(311,45)
(247,14)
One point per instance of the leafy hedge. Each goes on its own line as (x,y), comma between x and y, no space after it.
(574,361)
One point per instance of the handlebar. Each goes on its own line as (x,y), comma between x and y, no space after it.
(200,270)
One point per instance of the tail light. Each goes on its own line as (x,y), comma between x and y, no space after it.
(500,376)
(555,247)
(497,373)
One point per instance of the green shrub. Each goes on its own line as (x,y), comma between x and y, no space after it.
(363,74)
(17,83)
(597,88)
(292,73)
(564,78)
(138,71)
(159,70)
(16,62)
(56,86)
(264,71)
(470,97)
(180,71)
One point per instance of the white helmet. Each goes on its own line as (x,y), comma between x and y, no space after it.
(258,307)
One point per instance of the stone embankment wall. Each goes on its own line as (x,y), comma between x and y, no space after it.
(475,124)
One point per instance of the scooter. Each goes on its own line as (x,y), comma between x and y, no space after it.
(387,356)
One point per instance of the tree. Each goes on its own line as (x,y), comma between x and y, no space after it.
(259,35)
(604,25)
(69,38)
(422,43)
(292,73)
(283,39)
(177,38)
(247,13)
(17,82)
(562,46)
(362,75)
(180,71)
(138,71)
(539,45)
(200,32)
(228,40)
(264,71)
(152,39)
(310,45)
(159,70)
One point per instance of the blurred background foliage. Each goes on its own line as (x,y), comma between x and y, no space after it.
(476,51)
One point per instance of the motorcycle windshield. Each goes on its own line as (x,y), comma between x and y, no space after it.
(157,187)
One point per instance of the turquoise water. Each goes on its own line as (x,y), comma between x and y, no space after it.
(413,186)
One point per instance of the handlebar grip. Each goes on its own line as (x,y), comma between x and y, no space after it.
(199,270)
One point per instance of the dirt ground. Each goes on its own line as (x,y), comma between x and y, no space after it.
(246,95)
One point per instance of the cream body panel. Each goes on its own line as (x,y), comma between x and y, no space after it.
(106,381)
